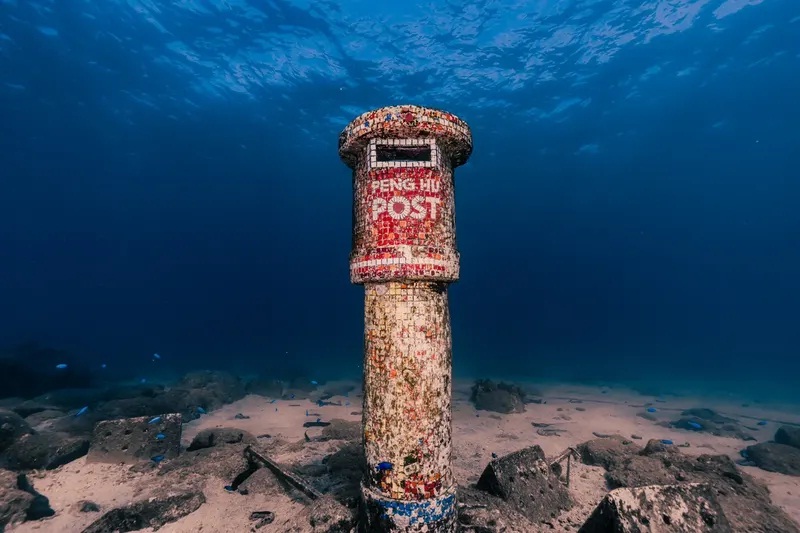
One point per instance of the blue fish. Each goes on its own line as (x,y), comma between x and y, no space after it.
(494,455)
(762,422)
(320,403)
(346,404)
(272,401)
(291,396)
(229,488)
(161,436)
(82,410)
(651,409)
(382,467)
(61,366)
(694,425)
(319,420)
(201,411)
(103,365)
(143,380)
(314,382)
(155,420)
(157,458)
(306,412)
(156,356)
(666,441)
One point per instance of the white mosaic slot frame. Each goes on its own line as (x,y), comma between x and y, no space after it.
(435,161)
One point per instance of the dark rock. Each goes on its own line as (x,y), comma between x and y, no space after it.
(480,512)
(317,424)
(262,518)
(525,480)
(240,416)
(14,503)
(151,513)
(130,440)
(775,457)
(605,452)
(46,450)
(342,430)
(223,462)
(324,515)
(707,415)
(208,438)
(12,427)
(86,506)
(716,425)
(788,435)
(687,508)
(744,500)
(498,397)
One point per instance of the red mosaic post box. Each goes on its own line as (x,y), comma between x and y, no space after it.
(403,205)
(404,253)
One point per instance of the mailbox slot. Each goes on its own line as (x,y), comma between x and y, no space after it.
(385,153)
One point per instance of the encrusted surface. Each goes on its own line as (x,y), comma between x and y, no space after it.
(407,389)
(687,508)
(404,252)
(405,122)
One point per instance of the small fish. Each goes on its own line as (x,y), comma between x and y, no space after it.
(272,401)
(161,436)
(291,396)
(314,382)
(666,441)
(347,404)
(319,420)
(103,365)
(306,412)
(744,454)
(651,409)
(82,410)
(762,423)
(156,356)
(143,380)
(201,411)
(157,458)
(694,425)
(382,467)
(155,420)
(61,366)
(229,488)
(494,455)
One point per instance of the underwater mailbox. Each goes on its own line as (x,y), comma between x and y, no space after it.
(404,253)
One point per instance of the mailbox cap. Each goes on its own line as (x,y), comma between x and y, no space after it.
(406,122)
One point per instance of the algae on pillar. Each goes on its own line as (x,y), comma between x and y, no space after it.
(404,253)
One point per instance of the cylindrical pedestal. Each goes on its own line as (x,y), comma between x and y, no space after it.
(407,391)
(404,253)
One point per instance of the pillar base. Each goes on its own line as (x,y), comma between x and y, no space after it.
(382,514)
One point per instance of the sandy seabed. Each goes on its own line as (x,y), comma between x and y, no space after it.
(475,438)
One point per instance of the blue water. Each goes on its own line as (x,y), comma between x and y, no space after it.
(169,182)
